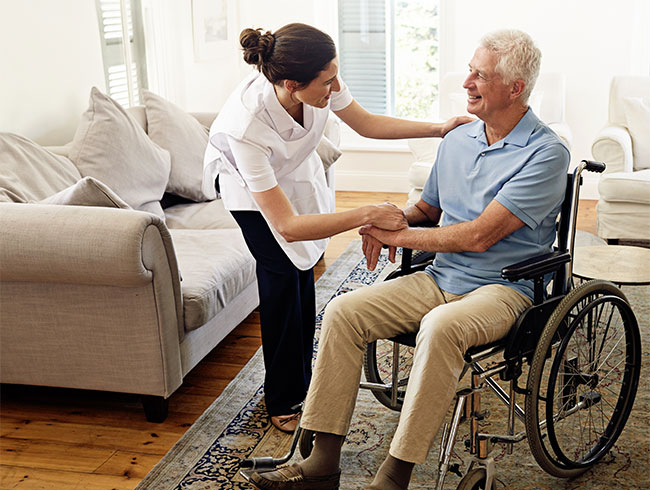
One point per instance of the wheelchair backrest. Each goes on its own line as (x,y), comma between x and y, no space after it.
(565,235)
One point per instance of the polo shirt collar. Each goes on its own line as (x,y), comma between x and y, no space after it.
(519,135)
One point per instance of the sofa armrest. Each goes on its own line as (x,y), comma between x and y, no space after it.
(613,145)
(85,245)
(205,118)
(75,244)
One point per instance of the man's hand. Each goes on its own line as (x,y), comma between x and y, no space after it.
(372,248)
(450,124)
(384,237)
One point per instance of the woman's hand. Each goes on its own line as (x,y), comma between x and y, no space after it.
(388,217)
(372,249)
(450,124)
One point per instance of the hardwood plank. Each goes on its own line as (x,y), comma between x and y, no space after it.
(13,477)
(52,405)
(128,464)
(586,220)
(92,436)
(19,452)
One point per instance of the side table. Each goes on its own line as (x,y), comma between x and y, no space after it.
(620,264)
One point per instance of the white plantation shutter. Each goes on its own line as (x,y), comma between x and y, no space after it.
(120,23)
(365,52)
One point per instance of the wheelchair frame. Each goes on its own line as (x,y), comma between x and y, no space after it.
(535,335)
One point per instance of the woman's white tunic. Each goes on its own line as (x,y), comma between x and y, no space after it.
(255,145)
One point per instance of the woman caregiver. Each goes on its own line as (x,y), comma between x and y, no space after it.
(262,147)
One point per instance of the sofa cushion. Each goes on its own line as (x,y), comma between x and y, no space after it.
(185,138)
(29,172)
(87,192)
(112,147)
(637,115)
(209,215)
(216,267)
(632,187)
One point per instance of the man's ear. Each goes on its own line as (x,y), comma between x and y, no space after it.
(517,88)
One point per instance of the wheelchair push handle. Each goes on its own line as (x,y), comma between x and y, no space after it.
(592,166)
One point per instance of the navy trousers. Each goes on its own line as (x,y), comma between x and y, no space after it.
(287,316)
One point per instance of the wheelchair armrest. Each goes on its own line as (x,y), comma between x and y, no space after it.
(536,266)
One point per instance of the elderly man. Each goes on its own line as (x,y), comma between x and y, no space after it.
(498,184)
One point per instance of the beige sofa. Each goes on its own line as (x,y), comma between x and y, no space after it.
(96,294)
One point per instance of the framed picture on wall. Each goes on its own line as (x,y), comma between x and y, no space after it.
(213,23)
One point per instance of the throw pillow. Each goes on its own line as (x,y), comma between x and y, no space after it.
(327,152)
(112,147)
(185,138)
(637,114)
(87,192)
(29,172)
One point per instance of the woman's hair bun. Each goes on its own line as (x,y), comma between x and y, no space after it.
(257,46)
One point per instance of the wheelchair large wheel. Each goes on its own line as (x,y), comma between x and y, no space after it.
(583,379)
(378,368)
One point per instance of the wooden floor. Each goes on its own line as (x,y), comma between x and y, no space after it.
(75,439)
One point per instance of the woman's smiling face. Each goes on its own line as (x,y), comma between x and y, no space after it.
(317,92)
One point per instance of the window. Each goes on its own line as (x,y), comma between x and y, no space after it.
(389,52)
(120,24)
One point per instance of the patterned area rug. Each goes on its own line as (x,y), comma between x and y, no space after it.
(235,427)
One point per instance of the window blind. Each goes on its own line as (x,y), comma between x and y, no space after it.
(364,57)
(122,36)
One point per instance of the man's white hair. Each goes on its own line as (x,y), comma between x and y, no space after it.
(519,57)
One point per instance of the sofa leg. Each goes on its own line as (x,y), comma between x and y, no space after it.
(155,408)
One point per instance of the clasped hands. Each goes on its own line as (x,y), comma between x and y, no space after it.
(388,221)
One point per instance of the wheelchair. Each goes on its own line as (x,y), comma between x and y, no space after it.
(582,348)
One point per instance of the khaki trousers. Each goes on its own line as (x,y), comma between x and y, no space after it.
(446,325)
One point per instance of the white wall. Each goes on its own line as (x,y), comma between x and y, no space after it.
(203,84)
(50,58)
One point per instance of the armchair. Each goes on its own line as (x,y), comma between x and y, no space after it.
(547,101)
(623,209)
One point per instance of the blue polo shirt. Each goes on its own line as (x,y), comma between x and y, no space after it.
(525,172)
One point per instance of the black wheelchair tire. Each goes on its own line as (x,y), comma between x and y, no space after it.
(475,480)
(564,326)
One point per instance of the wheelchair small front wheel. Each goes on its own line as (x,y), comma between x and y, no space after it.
(475,480)
(583,379)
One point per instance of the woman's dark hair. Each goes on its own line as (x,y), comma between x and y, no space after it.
(294,52)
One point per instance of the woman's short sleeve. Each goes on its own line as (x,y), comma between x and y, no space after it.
(253,164)
(341,99)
